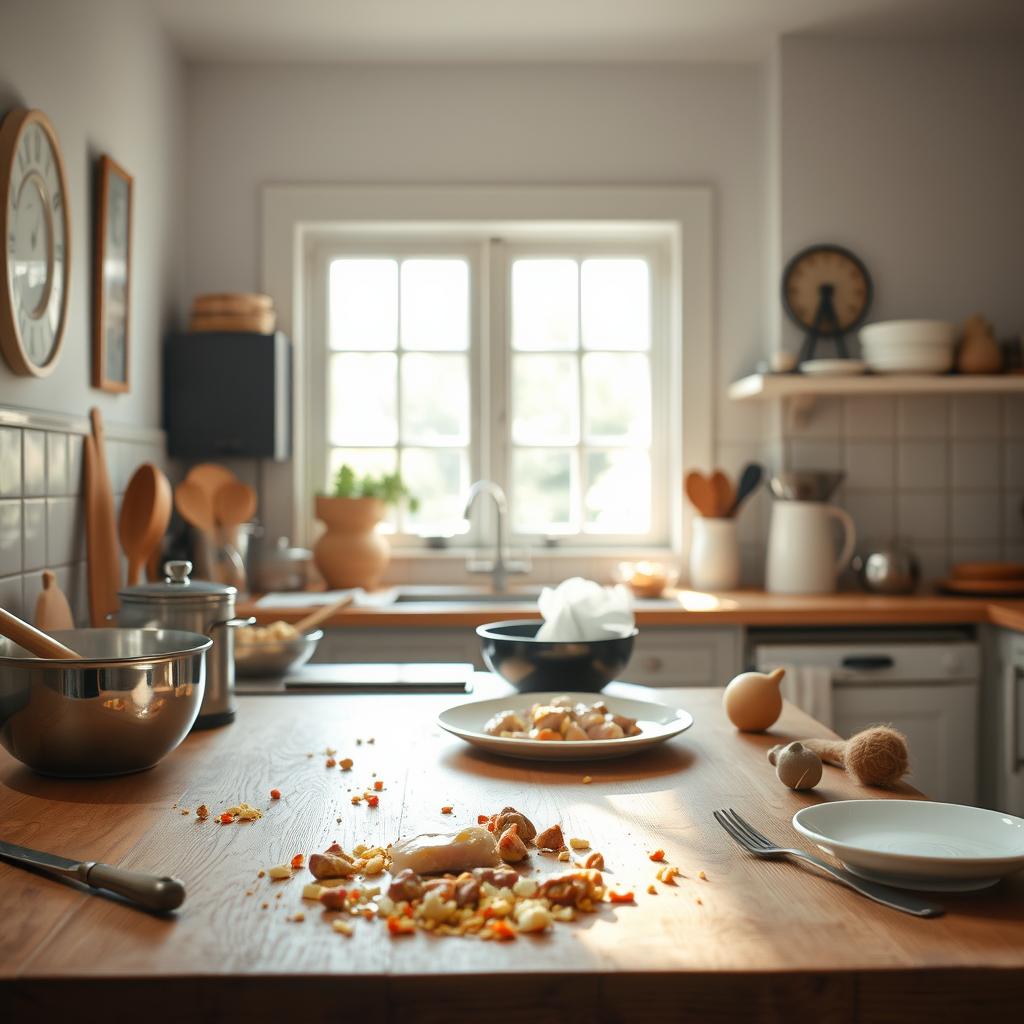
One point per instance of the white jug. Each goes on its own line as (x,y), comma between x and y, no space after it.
(802,550)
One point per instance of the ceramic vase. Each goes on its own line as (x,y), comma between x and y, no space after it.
(350,552)
(714,554)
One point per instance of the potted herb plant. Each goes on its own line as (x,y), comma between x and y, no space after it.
(350,552)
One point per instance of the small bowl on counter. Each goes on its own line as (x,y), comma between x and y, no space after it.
(263,651)
(646,579)
(123,706)
(512,651)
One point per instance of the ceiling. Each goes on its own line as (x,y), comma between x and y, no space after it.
(473,31)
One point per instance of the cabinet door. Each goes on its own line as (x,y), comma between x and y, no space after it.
(684,657)
(940,722)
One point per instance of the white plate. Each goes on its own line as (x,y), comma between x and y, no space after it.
(657,721)
(917,844)
(833,367)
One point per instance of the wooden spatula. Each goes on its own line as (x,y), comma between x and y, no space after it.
(100,529)
(52,608)
(700,492)
(145,513)
(196,507)
(724,494)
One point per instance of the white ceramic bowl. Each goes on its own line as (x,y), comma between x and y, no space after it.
(897,333)
(917,844)
(909,346)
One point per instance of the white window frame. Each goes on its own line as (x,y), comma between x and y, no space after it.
(296,217)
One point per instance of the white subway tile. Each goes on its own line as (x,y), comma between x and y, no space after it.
(33,460)
(1013,463)
(10,537)
(57,465)
(976,464)
(825,421)
(921,516)
(808,453)
(870,464)
(1013,416)
(873,417)
(921,465)
(1013,517)
(933,560)
(976,416)
(33,518)
(976,515)
(873,515)
(922,416)
(10,462)
(12,595)
(65,531)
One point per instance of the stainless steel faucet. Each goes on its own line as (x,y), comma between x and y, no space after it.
(499,567)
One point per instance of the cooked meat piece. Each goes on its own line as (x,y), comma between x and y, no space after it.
(331,865)
(433,854)
(500,878)
(571,888)
(545,716)
(510,816)
(504,721)
(510,846)
(606,731)
(562,702)
(589,719)
(467,890)
(333,899)
(444,887)
(551,838)
(406,885)
(545,734)
(573,733)
(627,725)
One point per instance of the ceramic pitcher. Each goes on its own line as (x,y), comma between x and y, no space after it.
(802,547)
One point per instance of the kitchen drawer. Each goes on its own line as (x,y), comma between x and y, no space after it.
(674,656)
(344,646)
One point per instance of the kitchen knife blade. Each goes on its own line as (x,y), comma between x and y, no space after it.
(150,891)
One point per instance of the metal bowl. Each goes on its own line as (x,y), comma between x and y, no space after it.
(128,702)
(253,661)
(512,650)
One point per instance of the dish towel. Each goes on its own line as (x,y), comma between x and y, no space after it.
(809,687)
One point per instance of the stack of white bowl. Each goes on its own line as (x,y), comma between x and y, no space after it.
(909,346)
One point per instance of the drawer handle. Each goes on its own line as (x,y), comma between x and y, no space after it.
(653,664)
(867,661)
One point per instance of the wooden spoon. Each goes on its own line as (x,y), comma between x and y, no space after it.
(35,641)
(145,513)
(724,494)
(234,503)
(196,508)
(699,491)
(211,477)
(750,479)
(313,619)
(52,608)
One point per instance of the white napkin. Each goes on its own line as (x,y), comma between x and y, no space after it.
(579,610)
(809,687)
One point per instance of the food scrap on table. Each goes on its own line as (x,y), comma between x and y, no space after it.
(562,719)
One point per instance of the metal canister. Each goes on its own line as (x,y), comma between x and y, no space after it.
(197,606)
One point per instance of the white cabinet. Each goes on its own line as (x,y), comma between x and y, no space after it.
(681,656)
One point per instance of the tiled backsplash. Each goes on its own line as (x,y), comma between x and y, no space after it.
(42,520)
(944,475)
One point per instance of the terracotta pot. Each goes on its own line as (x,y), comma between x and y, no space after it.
(350,553)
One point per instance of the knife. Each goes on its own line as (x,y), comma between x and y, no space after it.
(150,891)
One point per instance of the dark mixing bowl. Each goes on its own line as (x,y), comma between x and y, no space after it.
(511,650)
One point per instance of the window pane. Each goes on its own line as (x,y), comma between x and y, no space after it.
(435,305)
(616,304)
(362,399)
(545,400)
(545,306)
(616,398)
(439,478)
(618,492)
(363,304)
(542,491)
(435,399)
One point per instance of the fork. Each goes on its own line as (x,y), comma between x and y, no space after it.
(759,845)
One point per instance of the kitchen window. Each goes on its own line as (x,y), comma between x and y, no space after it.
(540,362)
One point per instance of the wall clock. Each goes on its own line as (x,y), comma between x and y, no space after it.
(826,290)
(37,242)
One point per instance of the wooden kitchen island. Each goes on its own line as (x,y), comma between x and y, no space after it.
(755,940)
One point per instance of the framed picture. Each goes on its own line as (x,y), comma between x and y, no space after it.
(112,277)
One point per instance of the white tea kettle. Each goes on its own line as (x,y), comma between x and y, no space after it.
(802,547)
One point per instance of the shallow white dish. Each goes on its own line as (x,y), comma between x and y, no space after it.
(657,721)
(896,333)
(917,844)
(833,367)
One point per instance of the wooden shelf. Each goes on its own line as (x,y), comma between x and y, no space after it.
(794,385)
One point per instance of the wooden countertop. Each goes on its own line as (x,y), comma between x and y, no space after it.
(756,939)
(689,608)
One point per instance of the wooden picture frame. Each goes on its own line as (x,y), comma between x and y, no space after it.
(112,278)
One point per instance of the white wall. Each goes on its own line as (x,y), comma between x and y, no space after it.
(249,126)
(108,79)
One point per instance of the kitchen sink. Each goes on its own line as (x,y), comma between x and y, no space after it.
(466,595)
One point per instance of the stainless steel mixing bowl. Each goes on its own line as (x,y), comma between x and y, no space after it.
(128,702)
(276,658)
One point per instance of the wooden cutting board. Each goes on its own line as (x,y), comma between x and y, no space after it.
(101,544)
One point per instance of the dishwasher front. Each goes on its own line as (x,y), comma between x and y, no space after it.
(926,688)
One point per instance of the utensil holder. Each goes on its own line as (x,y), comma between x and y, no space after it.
(714,554)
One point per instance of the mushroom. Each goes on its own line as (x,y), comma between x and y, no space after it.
(796,766)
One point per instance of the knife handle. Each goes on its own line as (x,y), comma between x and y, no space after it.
(151,891)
